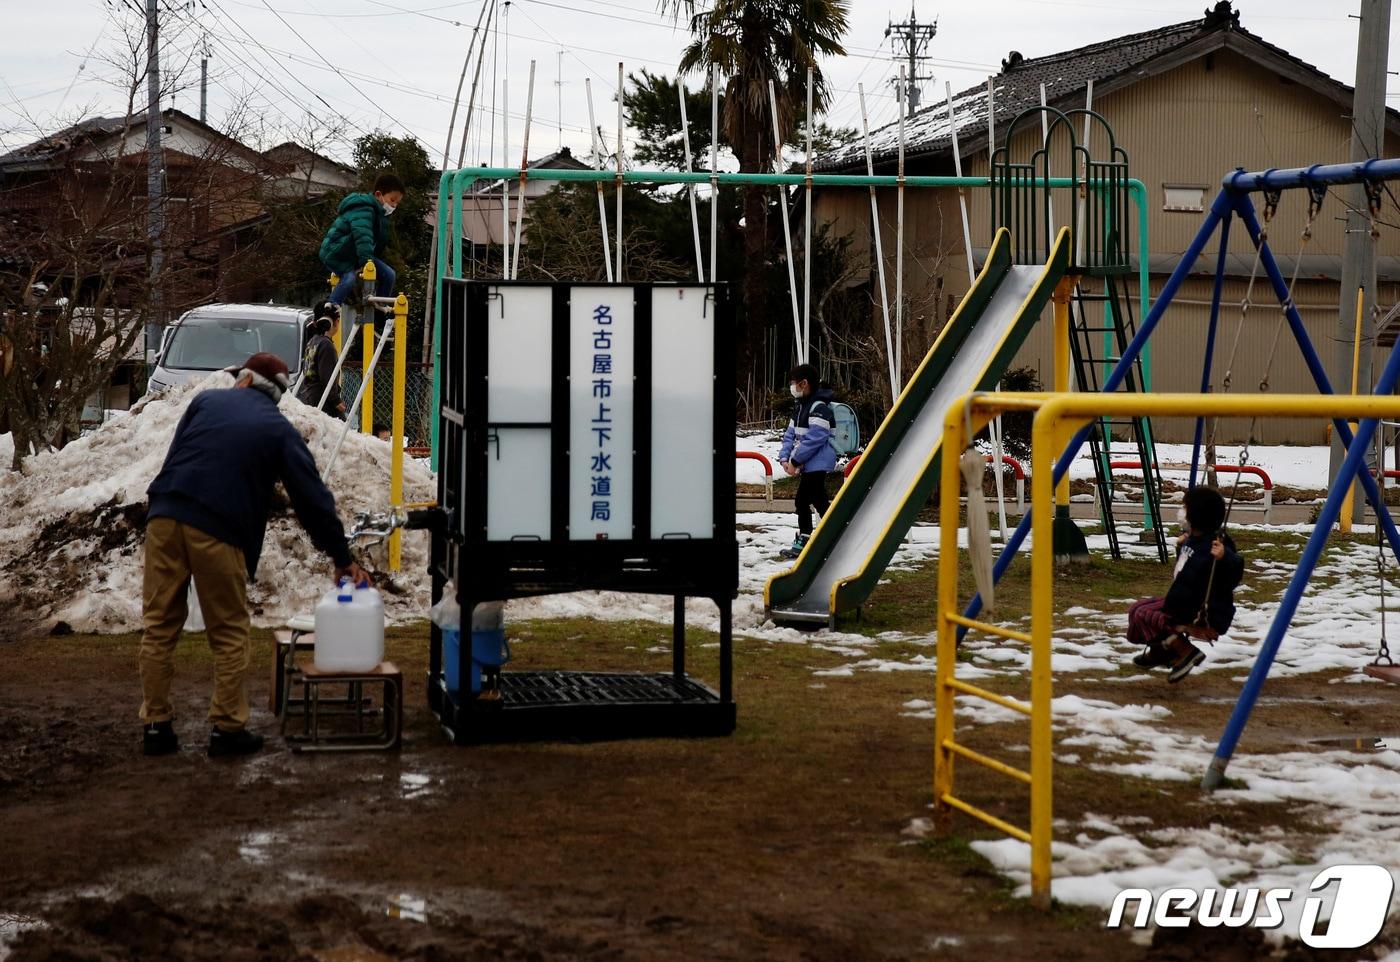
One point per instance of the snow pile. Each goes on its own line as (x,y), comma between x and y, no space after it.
(70,541)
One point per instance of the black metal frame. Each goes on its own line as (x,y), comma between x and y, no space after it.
(649,562)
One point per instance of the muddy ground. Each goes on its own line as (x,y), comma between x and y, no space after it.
(785,841)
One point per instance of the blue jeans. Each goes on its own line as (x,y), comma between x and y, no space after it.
(383,282)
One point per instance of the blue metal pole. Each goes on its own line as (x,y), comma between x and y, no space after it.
(1219,209)
(1300,333)
(1352,467)
(1317,175)
(1210,338)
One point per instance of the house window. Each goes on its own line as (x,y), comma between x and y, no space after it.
(1183,197)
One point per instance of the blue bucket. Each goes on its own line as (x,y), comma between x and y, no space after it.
(452,658)
(489,650)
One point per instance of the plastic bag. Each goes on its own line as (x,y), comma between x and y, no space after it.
(489,616)
(446,614)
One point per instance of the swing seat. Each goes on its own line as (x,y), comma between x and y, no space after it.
(1390,673)
(1200,633)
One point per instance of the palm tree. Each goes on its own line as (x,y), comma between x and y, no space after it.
(753,42)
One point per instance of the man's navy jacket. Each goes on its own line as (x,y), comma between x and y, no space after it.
(229,451)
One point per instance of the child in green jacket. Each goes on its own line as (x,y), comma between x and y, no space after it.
(359,233)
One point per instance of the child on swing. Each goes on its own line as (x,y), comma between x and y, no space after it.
(1200,602)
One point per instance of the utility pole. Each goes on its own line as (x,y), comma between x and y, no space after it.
(910,40)
(155,179)
(1359,246)
(204,81)
(559,95)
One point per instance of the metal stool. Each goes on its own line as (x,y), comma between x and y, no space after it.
(299,635)
(385,675)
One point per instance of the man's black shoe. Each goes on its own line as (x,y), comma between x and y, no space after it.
(241,742)
(158,738)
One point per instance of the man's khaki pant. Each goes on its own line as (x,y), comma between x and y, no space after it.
(174,553)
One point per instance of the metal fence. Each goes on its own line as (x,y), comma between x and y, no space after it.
(418,398)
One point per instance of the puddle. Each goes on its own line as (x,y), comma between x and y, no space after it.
(12,925)
(255,848)
(1359,743)
(407,907)
(415,785)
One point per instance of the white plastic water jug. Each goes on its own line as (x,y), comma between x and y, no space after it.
(349,629)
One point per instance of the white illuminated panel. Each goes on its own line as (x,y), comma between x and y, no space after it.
(519,328)
(519,337)
(601,391)
(682,413)
(517,484)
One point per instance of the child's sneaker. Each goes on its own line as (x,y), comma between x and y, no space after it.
(1153,656)
(795,549)
(1184,663)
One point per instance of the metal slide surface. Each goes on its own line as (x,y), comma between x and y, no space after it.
(896,474)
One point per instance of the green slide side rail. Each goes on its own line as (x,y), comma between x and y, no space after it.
(786,587)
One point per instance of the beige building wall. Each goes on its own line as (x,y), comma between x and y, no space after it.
(1183,128)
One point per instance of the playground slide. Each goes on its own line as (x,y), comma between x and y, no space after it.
(896,474)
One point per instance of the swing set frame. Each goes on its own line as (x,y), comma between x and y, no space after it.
(1367,410)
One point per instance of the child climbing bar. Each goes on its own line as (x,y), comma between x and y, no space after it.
(1200,601)
(808,452)
(359,234)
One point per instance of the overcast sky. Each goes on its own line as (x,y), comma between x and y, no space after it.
(276,61)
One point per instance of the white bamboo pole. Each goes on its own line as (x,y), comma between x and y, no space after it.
(689,166)
(962,194)
(714,170)
(995,426)
(991,122)
(879,248)
(617,251)
(899,250)
(505,182)
(807,239)
(787,228)
(1049,194)
(524,164)
(602,204)
(1084,181)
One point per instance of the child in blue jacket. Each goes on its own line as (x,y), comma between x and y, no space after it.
(807,452)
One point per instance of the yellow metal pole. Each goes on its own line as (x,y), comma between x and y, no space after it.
(367,277)
(396,434)
(943,695)
(1349,503)
(335,339)
(1044,448)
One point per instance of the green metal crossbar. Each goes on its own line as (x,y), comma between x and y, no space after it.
(453,184)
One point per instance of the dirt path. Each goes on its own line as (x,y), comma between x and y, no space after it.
(782,842)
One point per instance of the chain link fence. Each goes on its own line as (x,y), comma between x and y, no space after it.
(418,398)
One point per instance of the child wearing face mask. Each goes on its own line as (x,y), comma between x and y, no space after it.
(359,234)
(807,452)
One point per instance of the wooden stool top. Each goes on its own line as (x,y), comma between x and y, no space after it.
(385,669)
(305,639)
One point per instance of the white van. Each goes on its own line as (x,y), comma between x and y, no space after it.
(216,336)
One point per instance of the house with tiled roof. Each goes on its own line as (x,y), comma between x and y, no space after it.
(1187,102)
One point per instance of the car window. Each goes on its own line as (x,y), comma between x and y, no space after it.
(211,343)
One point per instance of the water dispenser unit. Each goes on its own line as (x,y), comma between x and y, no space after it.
(583,445)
